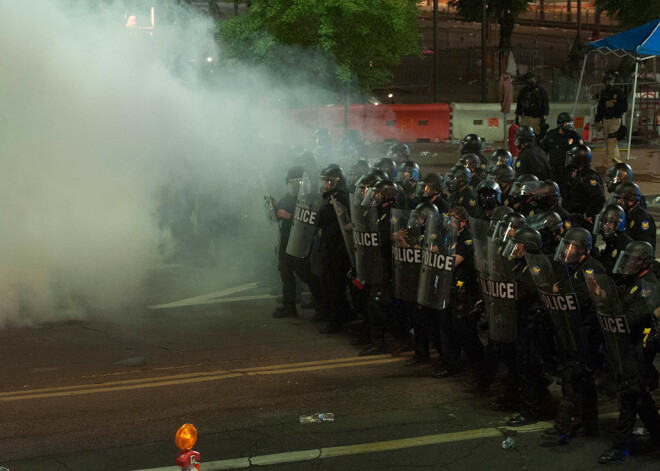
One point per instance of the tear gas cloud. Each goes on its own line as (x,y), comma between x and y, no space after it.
(100,131)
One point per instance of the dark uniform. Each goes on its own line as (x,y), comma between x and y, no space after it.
(614,245)
(335,264)
(458,331)
(288,265)
(640,225)
(533,160)
(584,195)
(465,198)
(556,144)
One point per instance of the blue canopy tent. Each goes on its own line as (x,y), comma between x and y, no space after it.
(641,43)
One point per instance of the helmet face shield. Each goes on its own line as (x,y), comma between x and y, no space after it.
(504,231)
(514,249)
(327,183)
(628,264)
(452,182)
(294,185)
(488,199)
(569,251)
(373,197)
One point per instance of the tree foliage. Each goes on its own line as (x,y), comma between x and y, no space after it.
(504,11)
(334,42)
(631,13)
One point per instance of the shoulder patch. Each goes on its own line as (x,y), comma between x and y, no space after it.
(581,142)
(634,288)
(473,202)
(575,275)
(506,202)
(460,200)
(570,141)
(531,213)
(468,242)
(614,252)
(590,271)
(645,293)
(632,223)
(536,269)
(593,182)
(645,225)
(567,224)
(517,163)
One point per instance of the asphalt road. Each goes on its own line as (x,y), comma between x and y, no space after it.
(109,392)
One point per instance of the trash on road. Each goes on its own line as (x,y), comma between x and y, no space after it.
(508,443)
(317,418)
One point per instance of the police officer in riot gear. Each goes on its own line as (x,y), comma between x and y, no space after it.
(503,175)
(610,225)
(528,366)
(640,225)
(533,105)
(289,265)
(618,173)
(471,144)
(551,227)
(473,164)
(584,189)
(498,157)
(399,153)
(628,327)
(557,142)
(489,197)
(459,331)
(334,257)
(356,171)
(612,103)
(430,189)
(408,177)
(548,200)
(531,158)
(578,406)
(388,166)
(458,184)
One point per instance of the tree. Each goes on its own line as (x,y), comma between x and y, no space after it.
(631,13)
(334,43)
(504,11)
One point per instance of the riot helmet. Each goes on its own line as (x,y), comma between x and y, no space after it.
(637,257)
(548,196)
(489,195)
(332,178)
(408,172)
(294,178)
(457,177)
(357,170)
(525,135)
(507,226)
(388,166)
(628,195)
(496,216)
(308,161)
(610,220)
(500,156)
(471,144)
(502,175)
(524,240)
(551,227)
(565,121)
(610,77)
(422,215)
(363,184)
(321,137)
(574,246)
(470,161)
(399,152)
(526,177)
(618,173)
(432,185)
(382,192)
(577,157)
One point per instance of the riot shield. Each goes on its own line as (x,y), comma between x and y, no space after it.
(345,225)
(406,255)
(367,243)
(479,231)
(305,218)
(558,298)
(613,324)
(435,277)
(499,291)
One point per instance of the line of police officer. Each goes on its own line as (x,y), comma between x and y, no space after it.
(510,253)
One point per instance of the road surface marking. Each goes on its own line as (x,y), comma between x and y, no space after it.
(198,377)
(206,298)
(373,447)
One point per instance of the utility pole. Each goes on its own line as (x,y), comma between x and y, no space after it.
(579,18)
(436,78)
(484,24)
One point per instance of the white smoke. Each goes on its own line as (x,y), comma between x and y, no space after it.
(93,121)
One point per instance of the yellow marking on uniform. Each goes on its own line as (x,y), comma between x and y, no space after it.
(197,377)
